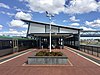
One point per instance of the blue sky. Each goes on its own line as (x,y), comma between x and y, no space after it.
(84,14)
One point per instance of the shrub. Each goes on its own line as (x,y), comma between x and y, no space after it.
(45,53)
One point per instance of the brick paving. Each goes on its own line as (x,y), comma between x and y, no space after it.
(80,66)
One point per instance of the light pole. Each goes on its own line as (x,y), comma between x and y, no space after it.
(50,15)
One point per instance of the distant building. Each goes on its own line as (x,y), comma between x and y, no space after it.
(61,35)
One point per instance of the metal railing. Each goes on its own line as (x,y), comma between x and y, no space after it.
(91,49)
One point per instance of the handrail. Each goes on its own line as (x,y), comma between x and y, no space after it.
(91,49)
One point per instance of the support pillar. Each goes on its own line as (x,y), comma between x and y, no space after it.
(78,39)
(74,40)
(62,42)
(40,43)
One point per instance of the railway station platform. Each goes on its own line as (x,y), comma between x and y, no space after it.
(78,65)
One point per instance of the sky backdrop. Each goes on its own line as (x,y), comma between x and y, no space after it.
(84,14)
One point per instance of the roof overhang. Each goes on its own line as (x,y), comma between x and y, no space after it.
(56,25)
(52,34)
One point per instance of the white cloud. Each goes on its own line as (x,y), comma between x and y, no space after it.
(57,6)
(7,13)
(15,7)
(73,19)
(53,23)
(29,11)
(4,6)
(18,23)
(52,6)
(1,26)
(95,23)
(18,9)
(99,6)
(82,6)
(22,15)
(85,28)
(75,24)
(25,26)
(13,32)
(2,12)
(21,0)
(10,14)
(64,20)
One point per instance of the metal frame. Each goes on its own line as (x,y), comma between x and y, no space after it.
(90,34)
(90,49)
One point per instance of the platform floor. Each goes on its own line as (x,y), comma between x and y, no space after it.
(79,66)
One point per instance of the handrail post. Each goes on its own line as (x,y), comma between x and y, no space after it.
(92,50)
(97,52)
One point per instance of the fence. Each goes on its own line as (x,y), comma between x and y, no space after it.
(91,49)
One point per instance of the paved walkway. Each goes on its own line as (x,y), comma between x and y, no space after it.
(80,66)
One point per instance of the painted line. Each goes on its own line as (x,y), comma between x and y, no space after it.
(14,57)
(89,60)
(84,57)
(70,63)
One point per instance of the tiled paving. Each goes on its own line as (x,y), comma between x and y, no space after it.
(80,66)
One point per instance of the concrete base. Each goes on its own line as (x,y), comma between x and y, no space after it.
(47,60)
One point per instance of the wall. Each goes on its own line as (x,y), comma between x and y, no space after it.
(64,30)
(36,28)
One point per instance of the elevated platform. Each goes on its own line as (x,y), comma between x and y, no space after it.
(79,65)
